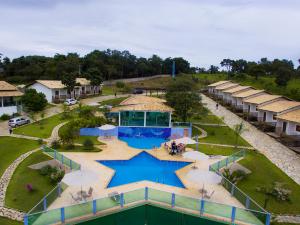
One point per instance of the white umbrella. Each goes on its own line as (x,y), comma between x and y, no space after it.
(107,127)
(201,177)
(80,178)
(194,155)
(186,141)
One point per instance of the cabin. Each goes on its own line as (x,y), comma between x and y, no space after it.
(56,91)
(239,98)
(268,113)
(288,124)
(251,105)
(10,102)
(227,94)
(219,90)
(212,87)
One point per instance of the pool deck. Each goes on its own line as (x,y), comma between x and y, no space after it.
(119,150)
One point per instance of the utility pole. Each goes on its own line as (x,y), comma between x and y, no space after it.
(173,69)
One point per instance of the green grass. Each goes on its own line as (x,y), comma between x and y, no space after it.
(215,150)
(11,148)
(221,135)
(208,119)
(113,102)
(37,130)
(263,173)
(108,90)
(77,148)
(5,221)
(160,82)
(17,195)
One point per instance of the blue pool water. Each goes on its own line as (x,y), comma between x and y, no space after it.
(144,167)
(143,142)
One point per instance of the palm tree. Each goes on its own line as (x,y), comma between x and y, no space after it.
(238,130)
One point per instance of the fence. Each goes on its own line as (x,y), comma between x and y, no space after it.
(181,124)
(147,195)
(248,202)
(61,158)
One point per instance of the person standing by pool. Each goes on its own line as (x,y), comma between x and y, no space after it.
(173,148)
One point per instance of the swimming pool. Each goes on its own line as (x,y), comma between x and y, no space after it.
(143,142)
(142,167)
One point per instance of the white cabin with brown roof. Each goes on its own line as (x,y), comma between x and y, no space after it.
(268,113)
(289,124)
(56,91)
(9,99)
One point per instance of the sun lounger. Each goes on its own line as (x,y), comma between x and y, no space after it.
(89,194)
(76,199)
(209,196)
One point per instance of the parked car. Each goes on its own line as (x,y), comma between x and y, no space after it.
(138,91)
(70,101)
(18,121)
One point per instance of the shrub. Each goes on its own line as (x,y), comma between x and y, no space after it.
(57,176)
(46,170)
(4,117)
(55,144)
(88,144)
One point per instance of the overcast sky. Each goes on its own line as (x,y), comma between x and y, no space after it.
(202,31)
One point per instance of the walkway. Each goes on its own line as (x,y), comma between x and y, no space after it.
(287,160)
(4,182)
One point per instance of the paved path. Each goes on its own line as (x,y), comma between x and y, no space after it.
(227,146)
(287,160)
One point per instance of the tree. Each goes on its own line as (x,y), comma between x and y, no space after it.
(238,130)
(256,70)
(182,95)
(34,101)
(213,69)
(69,80)
(283,76)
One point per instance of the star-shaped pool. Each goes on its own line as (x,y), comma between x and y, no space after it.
(142,167)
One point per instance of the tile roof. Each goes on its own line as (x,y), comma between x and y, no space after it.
(293,116)
(218,83)
(154,107)
(4,86)
(248,93)
(226,86)
(280,106)
(8,90)
(262,99)
(141,99)
(237,89)
(57,84)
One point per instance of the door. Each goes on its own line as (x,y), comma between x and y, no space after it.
(265,116)
(248,108)
(284,127)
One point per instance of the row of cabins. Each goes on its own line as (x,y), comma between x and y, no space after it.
(275,110)
(54,90)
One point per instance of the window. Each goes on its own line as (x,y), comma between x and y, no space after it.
(158,119)
(8,101)
(298,128)
(131,118)
(274,117)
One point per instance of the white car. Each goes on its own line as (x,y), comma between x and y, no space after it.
(70,101)
(18,121)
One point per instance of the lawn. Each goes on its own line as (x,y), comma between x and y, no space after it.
(108,90)
(160,82)
(5,221)
(12,148)
(263,173)
(77,148)
(42,128)
(215,150)
(113,102)
(207,119)
(221,135)
(17,195)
